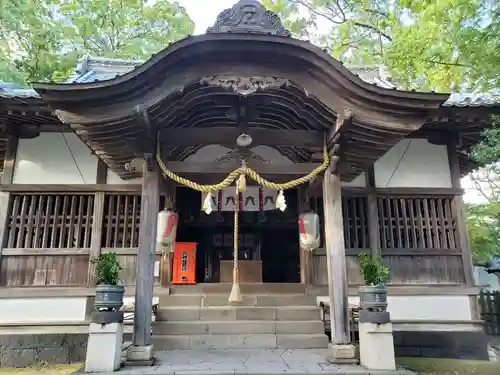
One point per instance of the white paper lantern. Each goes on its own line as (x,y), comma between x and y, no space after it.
(166,227)
(309,231)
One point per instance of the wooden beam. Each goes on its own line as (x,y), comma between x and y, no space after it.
(70,189)
(9,160)
(226,168)
(373,217)
(336,259)
(333,137)
(315,183)
(102,173)
(463,236)
(226,136)
(95,241)
(5,202)
(142,344)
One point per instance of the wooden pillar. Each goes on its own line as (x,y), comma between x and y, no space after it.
(142,348)
(95,241)
(97,221)
(463,235)
(5,201)
(342,350)
(373,219)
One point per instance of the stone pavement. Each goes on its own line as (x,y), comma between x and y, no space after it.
(248,361)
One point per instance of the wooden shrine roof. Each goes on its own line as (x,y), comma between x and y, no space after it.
(240,76)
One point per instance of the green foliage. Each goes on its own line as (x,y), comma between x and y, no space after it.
(372,270)
(298,25)
(107,269)
(487,152)
(41,40)
(484,218)
(484,230)
(442,45)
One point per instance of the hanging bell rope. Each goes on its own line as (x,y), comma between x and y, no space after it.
(238,175)
(235,295)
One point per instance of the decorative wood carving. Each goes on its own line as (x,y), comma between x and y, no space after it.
(249,16)
(244,85)
(239,155)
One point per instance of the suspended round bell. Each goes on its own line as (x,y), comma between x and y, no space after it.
(244,140)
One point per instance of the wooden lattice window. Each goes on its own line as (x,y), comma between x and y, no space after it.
(354,212)
(121,221)
(50,221)
(417,223)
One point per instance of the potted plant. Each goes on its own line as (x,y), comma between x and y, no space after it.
(108,292)
(373,295)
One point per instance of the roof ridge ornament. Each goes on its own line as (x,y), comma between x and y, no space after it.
(244,85)
(248,16)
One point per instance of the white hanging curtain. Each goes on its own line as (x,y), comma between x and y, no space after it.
(254,198)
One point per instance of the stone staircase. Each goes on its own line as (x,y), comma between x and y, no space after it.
(269,317)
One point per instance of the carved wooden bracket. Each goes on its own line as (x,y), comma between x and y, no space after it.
(139,164)
(244,85)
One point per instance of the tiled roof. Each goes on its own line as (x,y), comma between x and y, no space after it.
(473,100)
(94,69)
(8,91)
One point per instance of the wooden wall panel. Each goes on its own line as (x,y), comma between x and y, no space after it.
(320,273)
(40,270)
(425,269)
(129,264)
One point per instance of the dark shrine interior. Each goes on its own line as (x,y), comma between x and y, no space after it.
(270,236)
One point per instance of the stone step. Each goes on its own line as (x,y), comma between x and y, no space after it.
(238,327)
(250,341)
(251,288)
(229,313)
(248,300)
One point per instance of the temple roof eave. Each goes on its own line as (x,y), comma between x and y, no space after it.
(233,45)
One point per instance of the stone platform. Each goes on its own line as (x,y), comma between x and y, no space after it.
(248,361)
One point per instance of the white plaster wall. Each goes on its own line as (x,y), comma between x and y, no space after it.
(47,159)
(441,308)
(359,181)
(113,178)
(40,310)
(413,163)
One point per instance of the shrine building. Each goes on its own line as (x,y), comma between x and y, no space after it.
(80,177)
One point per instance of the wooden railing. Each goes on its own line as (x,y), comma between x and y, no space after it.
(418,238)
(489,305)
(51,237)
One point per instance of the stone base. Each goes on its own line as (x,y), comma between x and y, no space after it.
(104,347)
(150,362)
(24,350)
(471,344)
(342,354)
(376,346)
(140,354)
